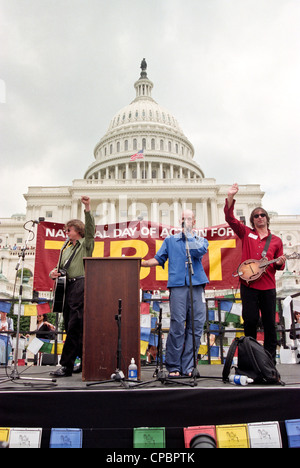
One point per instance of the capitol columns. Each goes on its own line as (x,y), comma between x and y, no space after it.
(75,209)
(132,208)
(154,215)
(213,212)
(149,171)
(201,213)
(112,211)
(176,214)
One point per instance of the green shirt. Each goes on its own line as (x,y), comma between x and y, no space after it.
(84,248)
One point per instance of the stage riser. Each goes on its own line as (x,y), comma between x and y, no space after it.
(108,417)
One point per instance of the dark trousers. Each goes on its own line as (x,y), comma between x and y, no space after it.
(255,301)
(73,318)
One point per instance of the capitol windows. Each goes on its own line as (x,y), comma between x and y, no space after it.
(153,143)
(176,148)
(169,146)
(144,143)
(161,144)
(110,149)
(134,143)
(154,174)
(126,145)
(118,147)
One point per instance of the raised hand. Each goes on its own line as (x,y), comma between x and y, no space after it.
(86,201)
(233,190)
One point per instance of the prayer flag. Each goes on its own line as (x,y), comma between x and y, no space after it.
(30,310)
(5,307)
(43,308)
(66,438)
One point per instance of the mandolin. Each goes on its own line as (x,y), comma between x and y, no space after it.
(251,270)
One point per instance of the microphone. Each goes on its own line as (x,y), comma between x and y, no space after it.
(40,220)
(33,223)
(183,229)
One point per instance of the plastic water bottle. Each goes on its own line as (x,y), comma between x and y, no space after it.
(132,370)
(240,380)
(10,359)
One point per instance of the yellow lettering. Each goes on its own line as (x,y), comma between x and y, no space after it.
(141,250)
(57,245)
(98,249)
(161,273)
(215,258)
(53,245)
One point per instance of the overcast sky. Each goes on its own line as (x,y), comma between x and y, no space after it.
(228,70)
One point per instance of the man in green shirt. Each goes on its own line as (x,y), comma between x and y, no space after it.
(81,244)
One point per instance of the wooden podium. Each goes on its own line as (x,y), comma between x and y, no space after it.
(108,280)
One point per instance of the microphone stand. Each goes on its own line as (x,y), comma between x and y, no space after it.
(159,374)
(14,373)
(195,372)
(118,375)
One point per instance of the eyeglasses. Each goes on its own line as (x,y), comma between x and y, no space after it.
(262,215)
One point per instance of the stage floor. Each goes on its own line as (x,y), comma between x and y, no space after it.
(210,376)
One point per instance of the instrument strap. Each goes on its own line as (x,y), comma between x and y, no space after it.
(264,253)
(68,262)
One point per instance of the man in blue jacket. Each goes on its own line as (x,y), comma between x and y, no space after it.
(179,349)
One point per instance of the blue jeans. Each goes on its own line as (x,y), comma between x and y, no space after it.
(179,349)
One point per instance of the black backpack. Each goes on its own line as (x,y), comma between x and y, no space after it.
(253,361)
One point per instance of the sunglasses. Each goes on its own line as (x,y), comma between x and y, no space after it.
(262,215)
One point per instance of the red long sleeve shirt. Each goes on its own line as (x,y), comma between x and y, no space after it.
(252,248)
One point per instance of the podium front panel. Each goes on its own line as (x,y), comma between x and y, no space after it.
(108,280)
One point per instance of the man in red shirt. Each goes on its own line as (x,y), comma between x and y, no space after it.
(260,295)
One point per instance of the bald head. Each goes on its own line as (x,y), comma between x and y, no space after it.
(188,220)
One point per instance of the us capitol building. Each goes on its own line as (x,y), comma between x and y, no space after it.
(155,188)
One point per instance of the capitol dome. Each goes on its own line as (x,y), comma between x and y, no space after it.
(143,125)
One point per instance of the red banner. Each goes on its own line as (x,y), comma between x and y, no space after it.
(141,239)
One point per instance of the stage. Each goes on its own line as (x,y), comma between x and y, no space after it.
(109,412)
